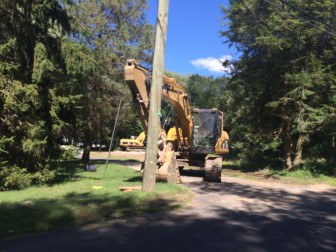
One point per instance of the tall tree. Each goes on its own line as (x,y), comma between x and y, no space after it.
(106,33)
(205,91)
(30,65)
(285,77)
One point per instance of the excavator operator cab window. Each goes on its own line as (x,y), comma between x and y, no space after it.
(207,129)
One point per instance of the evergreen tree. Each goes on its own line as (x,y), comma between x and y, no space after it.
(30,65)
(205,91)
(106,33)
(284,84)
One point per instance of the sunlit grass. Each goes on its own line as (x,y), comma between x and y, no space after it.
(89,197)
(299,176)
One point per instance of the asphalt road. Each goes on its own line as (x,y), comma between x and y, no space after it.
(235,215)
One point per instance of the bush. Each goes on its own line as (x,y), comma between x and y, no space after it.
(320,166)
(70,152)
(43,177)
(14,178)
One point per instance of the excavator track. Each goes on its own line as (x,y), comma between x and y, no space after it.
(213,170)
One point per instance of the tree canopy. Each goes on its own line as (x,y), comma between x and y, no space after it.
(283,86)
(61,67)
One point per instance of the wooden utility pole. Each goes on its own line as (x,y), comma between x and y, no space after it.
(149,178)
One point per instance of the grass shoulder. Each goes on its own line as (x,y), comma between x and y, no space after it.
(84,198)
(301,176)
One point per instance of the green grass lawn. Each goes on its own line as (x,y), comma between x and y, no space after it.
(84,198)
(301,176)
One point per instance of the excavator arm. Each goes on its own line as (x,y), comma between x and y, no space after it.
(139,81)
(175,94)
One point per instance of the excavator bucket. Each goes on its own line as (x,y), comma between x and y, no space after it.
(167,169)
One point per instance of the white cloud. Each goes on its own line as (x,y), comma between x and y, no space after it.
(213,64)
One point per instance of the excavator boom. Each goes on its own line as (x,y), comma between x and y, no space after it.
(139,81)
(135,74)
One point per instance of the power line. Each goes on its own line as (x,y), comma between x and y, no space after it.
(297,17)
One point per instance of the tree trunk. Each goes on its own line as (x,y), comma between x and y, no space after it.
(86,154)
(332,151)
(287,140)
(87,141)
(287,150)
(298,151)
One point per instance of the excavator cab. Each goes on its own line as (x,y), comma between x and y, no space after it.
(207,129)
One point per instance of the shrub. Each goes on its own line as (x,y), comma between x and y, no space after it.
(43,177)
(14,178)
(70,152)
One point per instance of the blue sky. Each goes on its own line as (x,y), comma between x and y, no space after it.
(193,41)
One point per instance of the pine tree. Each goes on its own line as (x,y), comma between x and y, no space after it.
(106,33)
(30,65)
(285,78)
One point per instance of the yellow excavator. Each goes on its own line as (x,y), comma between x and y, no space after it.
(197,136)
(127,144)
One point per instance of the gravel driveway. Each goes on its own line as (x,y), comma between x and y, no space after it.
(235,215)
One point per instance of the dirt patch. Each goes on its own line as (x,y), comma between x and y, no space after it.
(118,155)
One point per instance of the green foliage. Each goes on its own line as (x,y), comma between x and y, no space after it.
(78,59)
(17,178)
(30,65)
(6,49)
(105,34)
(43,177)
(129,124)
(14,178)
(53,85)
(205,92)
(283,86)
(69,153)
(43,67)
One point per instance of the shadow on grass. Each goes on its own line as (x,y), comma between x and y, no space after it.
(66,171)
(134,179)
(72,210)
(236,166)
